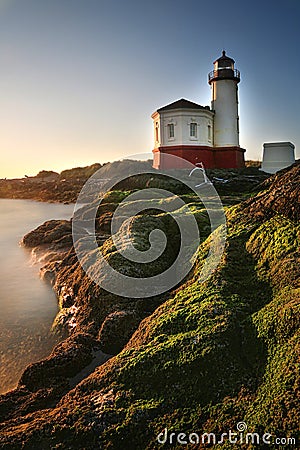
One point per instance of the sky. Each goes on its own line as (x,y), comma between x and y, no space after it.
(80,79)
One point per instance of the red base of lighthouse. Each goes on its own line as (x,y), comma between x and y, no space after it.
(211,157)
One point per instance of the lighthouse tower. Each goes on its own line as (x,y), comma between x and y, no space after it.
(224,81)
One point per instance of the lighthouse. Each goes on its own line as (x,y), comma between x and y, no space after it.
(224,81)
(202,134)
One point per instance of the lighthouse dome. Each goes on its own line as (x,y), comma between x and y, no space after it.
(224,62)
(224,69)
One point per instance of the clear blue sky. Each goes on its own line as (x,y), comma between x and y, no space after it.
(79,79)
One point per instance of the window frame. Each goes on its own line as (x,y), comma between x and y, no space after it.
(171,131)
(209,133)
(193,130)
(156,132)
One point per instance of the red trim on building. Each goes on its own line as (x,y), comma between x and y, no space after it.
(211,157)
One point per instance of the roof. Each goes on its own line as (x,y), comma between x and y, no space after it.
(182,104)
(224,58)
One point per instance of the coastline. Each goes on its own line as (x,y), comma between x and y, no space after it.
(171,352)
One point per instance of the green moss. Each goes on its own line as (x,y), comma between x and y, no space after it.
(276,406)
(220,340)
(213,353)
(216,352)
(275,247)
(115,196)
(280,319)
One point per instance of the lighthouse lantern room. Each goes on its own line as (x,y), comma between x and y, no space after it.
(200,134)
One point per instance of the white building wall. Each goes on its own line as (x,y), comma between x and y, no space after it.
(156,124)
(225,105)
(181,119)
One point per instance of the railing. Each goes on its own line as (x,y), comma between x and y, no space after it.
(224,72)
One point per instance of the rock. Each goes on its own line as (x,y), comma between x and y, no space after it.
(47,275)
(205,356)
(281,197)
(116,330)
(58,233)
(66,360)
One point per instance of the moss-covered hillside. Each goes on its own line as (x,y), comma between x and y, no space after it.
(209,356)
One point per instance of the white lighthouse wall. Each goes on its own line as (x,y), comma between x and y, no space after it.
(181,119)
(225,105)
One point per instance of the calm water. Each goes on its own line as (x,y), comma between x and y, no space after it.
(27,304)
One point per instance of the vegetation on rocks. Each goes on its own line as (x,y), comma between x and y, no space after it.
(198,359)
(49,186)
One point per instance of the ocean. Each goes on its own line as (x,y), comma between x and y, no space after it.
(27,304)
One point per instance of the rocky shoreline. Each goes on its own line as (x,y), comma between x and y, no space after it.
(199,358)
(49,186)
